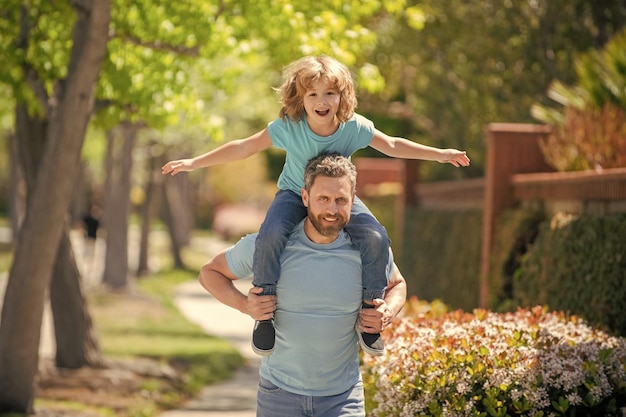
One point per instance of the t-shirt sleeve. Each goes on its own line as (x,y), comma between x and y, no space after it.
(239,257)
(278,130)
(390,265)
(365,128)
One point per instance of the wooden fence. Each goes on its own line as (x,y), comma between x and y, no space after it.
(515,173)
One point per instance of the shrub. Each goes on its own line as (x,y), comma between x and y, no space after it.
(441,255)
(527,363)
(515,234)
(577,264)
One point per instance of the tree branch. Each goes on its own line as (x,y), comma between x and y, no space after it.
(159,45)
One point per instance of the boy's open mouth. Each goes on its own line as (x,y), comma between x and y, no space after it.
(322,112)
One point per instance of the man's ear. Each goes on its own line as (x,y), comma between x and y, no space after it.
(305,197)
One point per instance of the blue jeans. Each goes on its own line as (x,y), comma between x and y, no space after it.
(287,210)
(276,402)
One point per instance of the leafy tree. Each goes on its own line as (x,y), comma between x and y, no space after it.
(55,51)
(68,109)
(470,63)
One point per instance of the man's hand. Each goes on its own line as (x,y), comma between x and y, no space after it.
(260,307)
(375,320)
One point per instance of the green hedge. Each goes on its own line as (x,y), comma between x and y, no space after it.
(516,231)
(572,264)
(441,257)
(578,265)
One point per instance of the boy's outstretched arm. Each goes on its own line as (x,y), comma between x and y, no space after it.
(405,149)
(228,152)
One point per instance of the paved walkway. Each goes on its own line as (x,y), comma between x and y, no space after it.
(235,397)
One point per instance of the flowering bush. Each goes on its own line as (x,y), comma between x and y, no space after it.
(527,363)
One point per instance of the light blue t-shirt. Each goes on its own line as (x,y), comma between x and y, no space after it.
(319,295)
(301,144)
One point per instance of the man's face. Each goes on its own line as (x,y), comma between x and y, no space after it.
(329,203)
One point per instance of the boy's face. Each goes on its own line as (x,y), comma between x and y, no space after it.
(328,204)
(321,103)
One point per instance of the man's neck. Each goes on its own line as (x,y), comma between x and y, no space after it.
(315,236)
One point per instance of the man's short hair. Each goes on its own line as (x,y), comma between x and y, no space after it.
(332,165)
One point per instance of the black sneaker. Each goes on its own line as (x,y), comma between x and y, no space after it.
(263,337)
(371,343)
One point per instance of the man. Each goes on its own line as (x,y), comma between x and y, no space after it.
(314,369)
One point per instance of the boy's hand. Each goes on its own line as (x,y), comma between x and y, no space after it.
(455,157)
(260,307)
(174,167)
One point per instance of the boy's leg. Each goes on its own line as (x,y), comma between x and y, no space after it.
(284,213)
(373,242)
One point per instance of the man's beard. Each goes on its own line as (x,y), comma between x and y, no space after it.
(325,229)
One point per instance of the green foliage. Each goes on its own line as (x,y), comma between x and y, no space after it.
(589,132)
(441,257)
(383,207)
(602,73)
(475,62)
(43,52)
(515,233)
(161,54)
(578,264)
(528,363)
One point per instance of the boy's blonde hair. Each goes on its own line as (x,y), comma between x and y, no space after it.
(299,76)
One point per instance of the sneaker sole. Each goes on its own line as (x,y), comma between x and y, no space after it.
(261,352)
(366,348)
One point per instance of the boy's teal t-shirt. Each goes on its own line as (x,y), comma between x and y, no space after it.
(301,144)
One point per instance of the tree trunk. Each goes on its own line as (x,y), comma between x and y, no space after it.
(117,204)
(150,206)
(170,221)
(17,196)
(37,245)
(76,342)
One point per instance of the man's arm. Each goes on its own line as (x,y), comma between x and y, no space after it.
(375,320)
(217,278)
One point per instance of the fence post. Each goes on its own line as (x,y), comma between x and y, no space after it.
(511,149)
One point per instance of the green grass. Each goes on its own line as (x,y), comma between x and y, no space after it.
(6,257)
(148,324)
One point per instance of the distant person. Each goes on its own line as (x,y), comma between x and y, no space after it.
(314,369)
(91,225)
(317,115)
(91,221)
